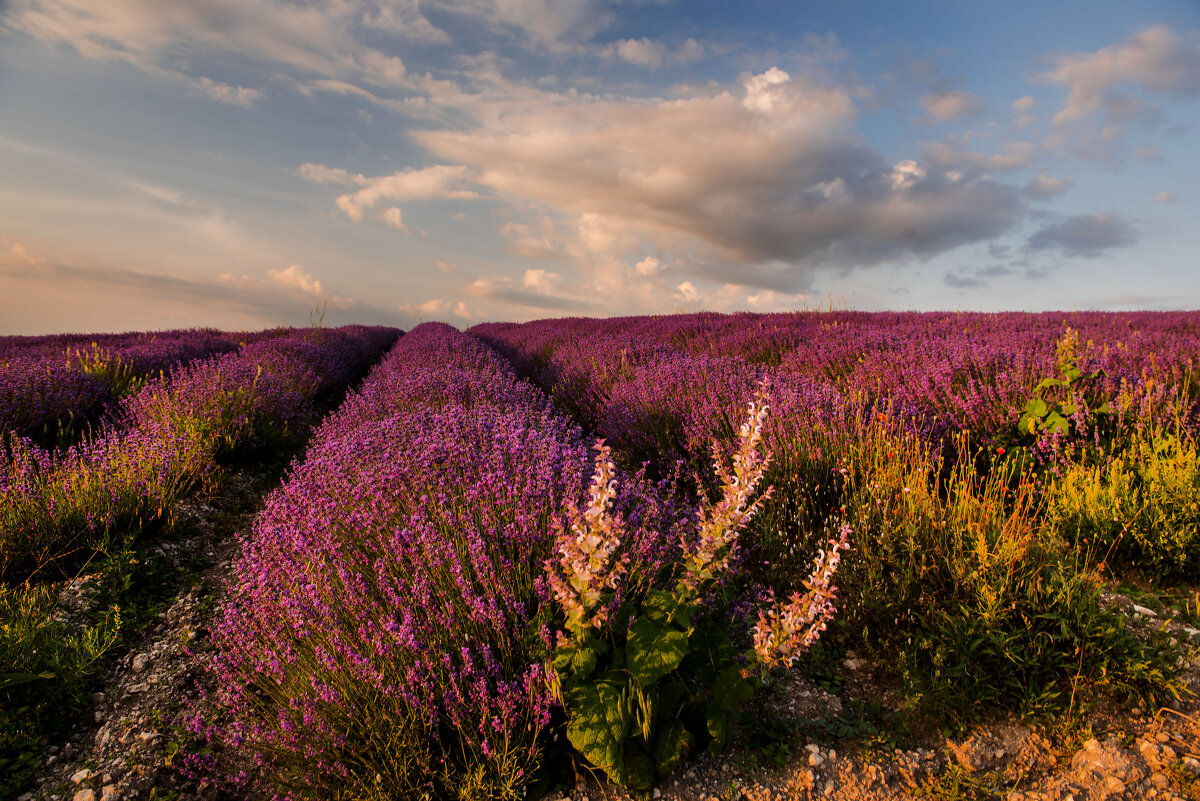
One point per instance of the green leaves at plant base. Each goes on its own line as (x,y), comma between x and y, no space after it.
(577,661)
(731,690)
(654,649)
(671,747)
(599,724)
(1041,415)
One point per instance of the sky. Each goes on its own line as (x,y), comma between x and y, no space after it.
(245,163)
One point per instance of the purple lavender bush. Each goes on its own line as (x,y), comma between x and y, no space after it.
(46,401)
(59,507)
(389,628)
(54,389)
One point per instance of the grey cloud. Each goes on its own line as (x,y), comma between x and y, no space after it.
(959,281)
(974,279)
(1085,235)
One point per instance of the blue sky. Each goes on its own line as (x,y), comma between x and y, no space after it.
(238,163)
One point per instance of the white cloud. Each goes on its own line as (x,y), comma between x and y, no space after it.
(538,239)
(649,266)
(686,292)
(320,174)
(538,290)
(641,52)
(769,300)
(295,277)
(438,181)
(429,309)
(946,105)
(1165,197)
(395,219)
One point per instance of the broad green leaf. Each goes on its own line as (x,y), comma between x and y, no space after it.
(671,748)
(575,663)
(654,650)
(717,720)
(1055,422)
(1047,383)
(1036,407)
(659,605)
(597,726)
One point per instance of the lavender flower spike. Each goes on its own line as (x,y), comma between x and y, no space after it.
(781,635)
(586,552)
(720,523)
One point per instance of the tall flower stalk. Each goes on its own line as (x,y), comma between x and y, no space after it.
(721,523)
(664,677)
(585,564)
(784,632)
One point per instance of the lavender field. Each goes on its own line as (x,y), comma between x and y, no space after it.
(525,551)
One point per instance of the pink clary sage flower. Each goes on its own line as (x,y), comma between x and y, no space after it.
(585,560)
(783,633)
(716,545)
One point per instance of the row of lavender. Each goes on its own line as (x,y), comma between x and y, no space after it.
(388,631)
(57,507)
(53,387)
(661,382)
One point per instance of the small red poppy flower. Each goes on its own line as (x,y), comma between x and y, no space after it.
(999,451)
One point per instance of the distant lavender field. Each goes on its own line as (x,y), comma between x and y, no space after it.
(54,386)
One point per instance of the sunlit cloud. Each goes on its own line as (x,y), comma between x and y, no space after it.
(438,181)
(762,170)
(1154,61)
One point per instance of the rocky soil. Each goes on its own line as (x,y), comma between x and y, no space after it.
(129,749)
(1112,753)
